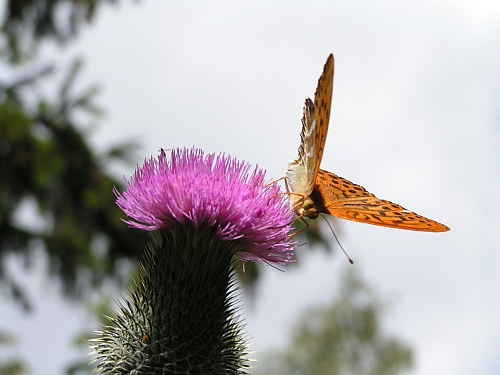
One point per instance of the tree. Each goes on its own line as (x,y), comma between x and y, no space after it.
(13,366)
(344,337)
(27,22)
(47,162)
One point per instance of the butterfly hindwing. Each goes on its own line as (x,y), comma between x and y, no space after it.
(300,176)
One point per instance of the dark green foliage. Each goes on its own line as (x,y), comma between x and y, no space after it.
(26,22)
(181,318)
(343,338)
(13,366)
(46,162)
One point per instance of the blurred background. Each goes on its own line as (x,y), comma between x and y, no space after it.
(415,119)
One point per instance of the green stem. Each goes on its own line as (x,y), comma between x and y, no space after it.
(181,317)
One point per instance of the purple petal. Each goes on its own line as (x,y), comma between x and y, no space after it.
(196,189)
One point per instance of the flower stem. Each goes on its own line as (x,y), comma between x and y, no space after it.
(181,317)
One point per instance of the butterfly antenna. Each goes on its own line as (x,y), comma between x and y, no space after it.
(334,235)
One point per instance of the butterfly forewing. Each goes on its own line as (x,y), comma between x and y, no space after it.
(342,198)
(322,107)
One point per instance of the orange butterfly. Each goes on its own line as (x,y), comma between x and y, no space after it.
(313,191)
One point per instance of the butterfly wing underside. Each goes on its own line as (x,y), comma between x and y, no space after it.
(301,173)
(339,197)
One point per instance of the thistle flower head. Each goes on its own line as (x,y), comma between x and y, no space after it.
(191,188)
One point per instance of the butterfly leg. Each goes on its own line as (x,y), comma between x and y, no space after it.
(299,218)
(275,181)
(302,220)
(285,192)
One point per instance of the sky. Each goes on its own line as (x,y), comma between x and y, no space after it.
(415,119)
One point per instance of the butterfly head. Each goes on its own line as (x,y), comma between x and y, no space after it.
(309,208)
(304,206)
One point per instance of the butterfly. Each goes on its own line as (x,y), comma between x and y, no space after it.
(313,191)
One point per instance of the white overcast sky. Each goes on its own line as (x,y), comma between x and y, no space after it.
(415,119)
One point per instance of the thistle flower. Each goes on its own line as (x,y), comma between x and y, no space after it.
(209,191)
(182,316)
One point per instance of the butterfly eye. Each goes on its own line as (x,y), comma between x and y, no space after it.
(307,204)
(309,209)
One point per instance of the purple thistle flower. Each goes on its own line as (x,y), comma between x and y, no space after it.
(211,191)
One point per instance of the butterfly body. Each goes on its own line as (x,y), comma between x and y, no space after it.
(313,191)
